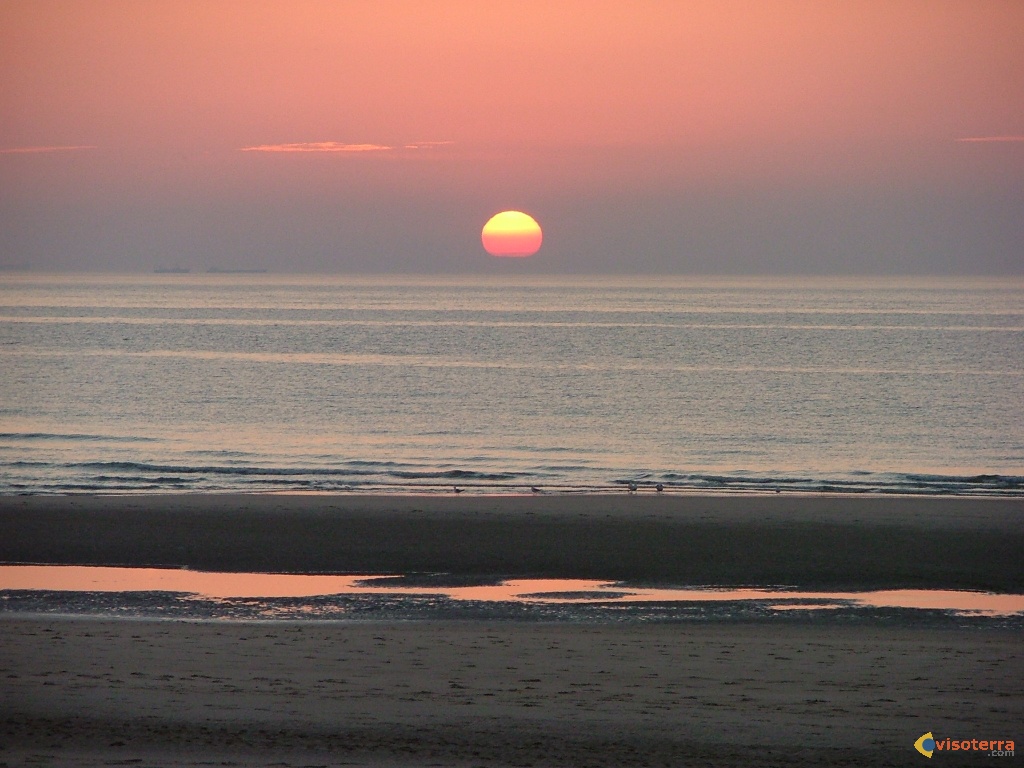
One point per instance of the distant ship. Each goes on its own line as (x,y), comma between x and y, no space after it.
(171,270)
(224,271)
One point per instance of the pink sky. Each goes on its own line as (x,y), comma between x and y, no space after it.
(493,105)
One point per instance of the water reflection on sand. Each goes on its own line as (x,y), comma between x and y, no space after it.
(544,591)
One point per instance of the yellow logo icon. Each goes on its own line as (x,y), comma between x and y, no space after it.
(926,744)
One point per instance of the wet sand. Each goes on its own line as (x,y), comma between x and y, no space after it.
(814,542)
(96,691)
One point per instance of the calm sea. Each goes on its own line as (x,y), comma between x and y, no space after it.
(197,382)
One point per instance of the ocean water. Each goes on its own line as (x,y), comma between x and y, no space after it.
(198,382)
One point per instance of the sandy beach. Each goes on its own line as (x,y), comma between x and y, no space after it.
(99,691)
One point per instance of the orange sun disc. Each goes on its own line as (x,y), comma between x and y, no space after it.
(511,233)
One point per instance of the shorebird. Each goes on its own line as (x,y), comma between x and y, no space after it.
(456,489)
(659,487)
(535,489)
(632,487)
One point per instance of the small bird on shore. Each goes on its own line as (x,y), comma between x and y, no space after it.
(535,489)
(456,489)
(659,487)
(632,487)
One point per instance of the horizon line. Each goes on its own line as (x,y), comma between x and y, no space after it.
(513,273)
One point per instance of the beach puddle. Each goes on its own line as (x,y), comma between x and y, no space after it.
(228,586)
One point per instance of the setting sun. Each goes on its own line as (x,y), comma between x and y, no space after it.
(511,233)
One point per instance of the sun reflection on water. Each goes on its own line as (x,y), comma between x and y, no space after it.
(205,584)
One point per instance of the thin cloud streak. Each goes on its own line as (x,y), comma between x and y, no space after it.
(428,144)
(41,150)
(989,139)
(339,146)
(318,146)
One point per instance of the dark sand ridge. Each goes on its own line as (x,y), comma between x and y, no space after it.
(819,542)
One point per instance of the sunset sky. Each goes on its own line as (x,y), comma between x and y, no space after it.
(810,136)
